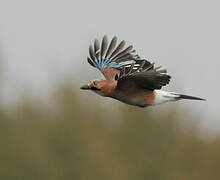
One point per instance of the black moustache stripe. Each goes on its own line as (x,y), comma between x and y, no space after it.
(94,88)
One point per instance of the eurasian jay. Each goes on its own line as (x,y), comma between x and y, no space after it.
(129,78)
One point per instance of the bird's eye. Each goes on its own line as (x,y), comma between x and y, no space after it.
(116,77)
(95,83)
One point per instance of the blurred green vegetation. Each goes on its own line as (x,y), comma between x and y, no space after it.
(71,139)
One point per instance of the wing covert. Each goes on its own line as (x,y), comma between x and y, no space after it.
(149,79)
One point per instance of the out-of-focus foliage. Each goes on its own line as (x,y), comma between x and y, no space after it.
(69,139)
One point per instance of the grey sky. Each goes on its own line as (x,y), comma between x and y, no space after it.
(43,41)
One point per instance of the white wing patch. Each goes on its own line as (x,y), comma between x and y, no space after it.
(127,63)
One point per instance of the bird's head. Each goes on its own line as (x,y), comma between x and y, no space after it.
(93,85)
(100,86)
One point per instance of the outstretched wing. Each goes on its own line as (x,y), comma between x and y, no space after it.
(115,60)
(112,59)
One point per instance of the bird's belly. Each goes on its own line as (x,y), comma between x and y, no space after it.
(141,99)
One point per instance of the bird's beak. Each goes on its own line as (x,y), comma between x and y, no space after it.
(86,87)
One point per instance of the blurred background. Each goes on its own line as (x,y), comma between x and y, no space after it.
(49,129)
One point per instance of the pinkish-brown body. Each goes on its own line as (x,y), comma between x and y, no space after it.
(110,73)
(131,94)
(107,87)
(139,97)
(134,95)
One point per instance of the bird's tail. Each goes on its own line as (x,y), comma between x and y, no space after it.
(182,96)
(164,96)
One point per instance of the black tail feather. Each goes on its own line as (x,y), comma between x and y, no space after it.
(181,96)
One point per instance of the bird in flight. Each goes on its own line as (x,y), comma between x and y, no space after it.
(128,77)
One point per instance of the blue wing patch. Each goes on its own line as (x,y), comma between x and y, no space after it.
(107,63)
